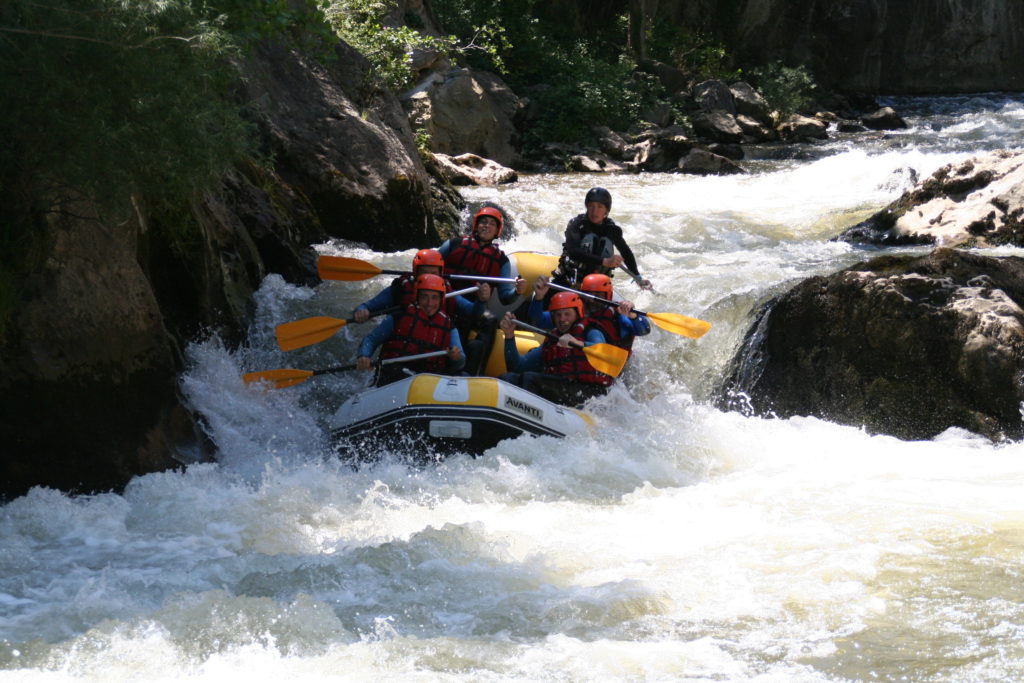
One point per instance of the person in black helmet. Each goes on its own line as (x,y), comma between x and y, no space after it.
(591,240)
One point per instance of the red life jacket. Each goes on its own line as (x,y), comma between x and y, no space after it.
(468,257)
(607,321)
(403,294)
(571,362)
(414,333)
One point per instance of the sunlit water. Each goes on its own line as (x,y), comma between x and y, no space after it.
(683,543)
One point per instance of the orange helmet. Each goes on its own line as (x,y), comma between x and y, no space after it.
(566,300)
(598,283)
(493,213)
(429,282)
(427,257)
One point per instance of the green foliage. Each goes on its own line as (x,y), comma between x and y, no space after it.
(578,80)
(698,54)
(787,89)
(120,99)
(363,25)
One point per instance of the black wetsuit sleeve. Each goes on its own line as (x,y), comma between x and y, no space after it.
(627,254)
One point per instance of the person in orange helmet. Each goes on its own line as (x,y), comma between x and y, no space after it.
(421,327)
(558,369)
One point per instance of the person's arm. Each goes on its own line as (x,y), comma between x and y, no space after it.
(457,359)
(624,251)
(445,248)
(538,316)
(374,339)
(594,336)
(638,326)
(384,299)
(509,291)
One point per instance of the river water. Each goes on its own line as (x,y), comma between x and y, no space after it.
(681,543)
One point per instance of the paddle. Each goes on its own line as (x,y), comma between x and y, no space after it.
(353,270)
(287,377)
(309,331)
(673,322)
(606,358)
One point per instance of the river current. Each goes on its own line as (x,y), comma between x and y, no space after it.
(681,543)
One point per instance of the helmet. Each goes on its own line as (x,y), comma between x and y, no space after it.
(597,283)
(427,257)
(493,213)
(429,282)
(566,300)
(599,194)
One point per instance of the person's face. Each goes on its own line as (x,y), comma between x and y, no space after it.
(429,301)
(428,270)
(596,212)
(564,319)
(486,228)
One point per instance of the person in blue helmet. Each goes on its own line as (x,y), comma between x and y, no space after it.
(591,241)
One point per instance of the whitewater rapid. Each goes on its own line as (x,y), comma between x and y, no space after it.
(680,543)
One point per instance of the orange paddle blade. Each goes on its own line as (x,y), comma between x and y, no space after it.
(306,332)
(281,378)
(606,358)
(344,268)
(680,324)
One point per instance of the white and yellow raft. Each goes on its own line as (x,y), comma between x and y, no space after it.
(431,415)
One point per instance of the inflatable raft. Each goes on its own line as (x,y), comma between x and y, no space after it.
(431,415)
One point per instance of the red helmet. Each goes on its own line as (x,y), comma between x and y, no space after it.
(566,300)
(598,283)
(493,213)
(429,282)
(427,257)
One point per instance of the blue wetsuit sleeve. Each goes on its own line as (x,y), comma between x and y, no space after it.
(514,362)
(384,299)
(376,338)
(445,248)
(538,316)
(595,336)
(638,327)
(456,341)
(506,290)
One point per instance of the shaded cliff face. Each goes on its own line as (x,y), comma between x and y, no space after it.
(890,46)
(89,366)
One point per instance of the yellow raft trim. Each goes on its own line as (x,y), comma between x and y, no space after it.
(423,390)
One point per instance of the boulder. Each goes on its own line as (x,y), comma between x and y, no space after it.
(750,103)
(660,150)
(672,79)
(720,126)
(703,162)
(883,119)
(798,127)
(903,345)
(471,111)
(470,169)
(977,202)
(714,96)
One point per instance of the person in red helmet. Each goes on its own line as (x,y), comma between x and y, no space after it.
(421,327)
(400,291)
(619,324)
(591,239)
(558,369)
(478,254)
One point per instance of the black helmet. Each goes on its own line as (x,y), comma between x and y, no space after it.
(600,195)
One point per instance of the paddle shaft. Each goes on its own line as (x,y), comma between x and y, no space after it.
(386,361)
(606,302)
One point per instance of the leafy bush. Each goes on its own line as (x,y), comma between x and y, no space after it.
(120,99)
(787,89)
(363,25)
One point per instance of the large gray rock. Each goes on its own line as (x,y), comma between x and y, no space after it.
(901,345)
(467,111)
(977,202)
(347,147)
